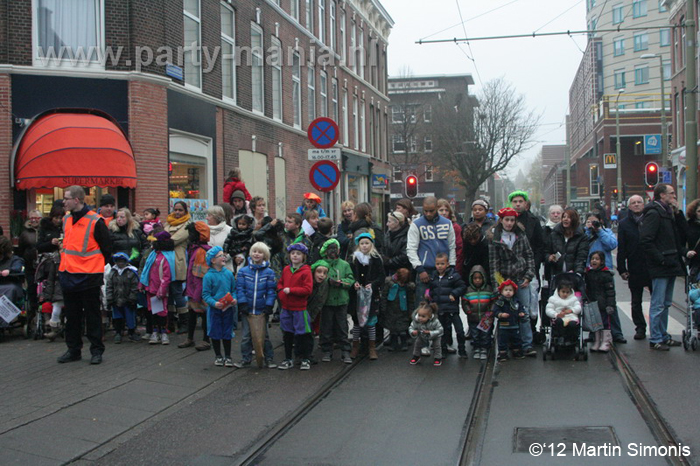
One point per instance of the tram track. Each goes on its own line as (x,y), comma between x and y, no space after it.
(649,411)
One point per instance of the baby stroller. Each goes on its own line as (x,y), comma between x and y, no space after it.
(11,287)
(560,345)
(692,296)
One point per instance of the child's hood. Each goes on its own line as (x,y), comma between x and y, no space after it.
(255,266)
(303,266)
(482,271)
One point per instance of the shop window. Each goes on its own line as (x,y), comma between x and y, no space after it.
(190,173)
(593,180)
(357,188)
(68,33)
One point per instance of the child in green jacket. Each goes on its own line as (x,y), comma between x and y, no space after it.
(334,321)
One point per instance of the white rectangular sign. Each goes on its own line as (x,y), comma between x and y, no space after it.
(8,311)
(324,154)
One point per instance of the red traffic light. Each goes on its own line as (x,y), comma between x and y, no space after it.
(651,174)
(411,186)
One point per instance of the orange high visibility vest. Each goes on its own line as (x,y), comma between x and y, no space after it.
(81,253)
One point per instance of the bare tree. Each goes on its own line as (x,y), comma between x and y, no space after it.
(478,141)
(406,128)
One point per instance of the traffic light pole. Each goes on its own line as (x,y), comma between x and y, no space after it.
(617,138)
(691,112)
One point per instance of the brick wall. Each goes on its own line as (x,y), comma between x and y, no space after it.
(3,32)
(117,32)
(5,150)
(19,32)
(148,133)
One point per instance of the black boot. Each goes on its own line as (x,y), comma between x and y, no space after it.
(404,341)
(182,327)
(394,340)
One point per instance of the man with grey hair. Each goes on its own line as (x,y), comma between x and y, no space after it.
(85,250)
(631,263)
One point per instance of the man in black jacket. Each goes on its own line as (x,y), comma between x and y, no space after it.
(631,264)
(663,248)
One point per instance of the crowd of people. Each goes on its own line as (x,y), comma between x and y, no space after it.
(89,268)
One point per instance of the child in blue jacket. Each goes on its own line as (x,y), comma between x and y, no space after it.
(256,288)
(217,284)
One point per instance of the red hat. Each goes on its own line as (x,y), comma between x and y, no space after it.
(507,212)
(507,283)
(313,197)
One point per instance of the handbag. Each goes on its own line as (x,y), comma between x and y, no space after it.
(592,321)
(364,302)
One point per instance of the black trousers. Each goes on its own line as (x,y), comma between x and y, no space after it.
(637,291)
(79,306)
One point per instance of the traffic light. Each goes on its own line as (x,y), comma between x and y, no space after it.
(651,174)
(411,186)
(615,193)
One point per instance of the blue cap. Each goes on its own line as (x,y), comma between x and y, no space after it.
(364,235)
(212,253)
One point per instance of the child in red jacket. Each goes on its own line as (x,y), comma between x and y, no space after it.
(294,289)
(235,183)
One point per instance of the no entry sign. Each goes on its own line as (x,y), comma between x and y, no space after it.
(323,133)
(324,176)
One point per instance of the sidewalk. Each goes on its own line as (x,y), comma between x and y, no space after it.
(58,412)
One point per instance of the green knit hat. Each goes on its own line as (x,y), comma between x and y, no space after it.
(328,243)
(522,194)
(319,263)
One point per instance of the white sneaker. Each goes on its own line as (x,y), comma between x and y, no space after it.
(484,354)
(154,340)
(425,351)
(164,339)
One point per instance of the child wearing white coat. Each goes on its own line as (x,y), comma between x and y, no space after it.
(564,308)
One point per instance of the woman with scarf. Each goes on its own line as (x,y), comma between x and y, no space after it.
(218,230)
(176,225)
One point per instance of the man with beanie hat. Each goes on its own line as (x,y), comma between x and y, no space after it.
(107,207)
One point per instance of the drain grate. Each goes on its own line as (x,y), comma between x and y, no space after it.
(568,436)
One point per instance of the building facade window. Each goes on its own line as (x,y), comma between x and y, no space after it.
(311,91)
(276,65)
(296,89)
(228,52)
(310,15)
(396,114)
(642,104)
(397,174)
(667,70)
(346,134)
(398,144)
(356,122)
(334,100)
(256,69)
(323,84)
(641,74)
(618,46)
(662,8)
(322,21)
(353,41)
(594,186)
(363,127)
(74,30)
(641,41)
(428,143)
(428,173)
(428,113)
(343,38)
(361,52)
(294,9)
(639,8)
(665,37)
(618,15)
(331,25)
(193,39)
(620,79)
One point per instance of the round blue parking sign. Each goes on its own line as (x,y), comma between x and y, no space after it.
(323,133)
(324,176)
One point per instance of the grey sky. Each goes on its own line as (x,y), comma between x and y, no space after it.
(540,68)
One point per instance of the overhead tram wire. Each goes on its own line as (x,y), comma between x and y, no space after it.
(472,58)
(472,18)
(559,15)
(542,34)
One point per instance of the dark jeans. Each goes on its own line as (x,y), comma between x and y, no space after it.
(509,339)
(85,305)
(192,324)
(637,291)
(334,328)
(448,319)
(303,343)
(481,339)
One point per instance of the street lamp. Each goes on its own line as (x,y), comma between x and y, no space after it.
(617,129)
(664,136)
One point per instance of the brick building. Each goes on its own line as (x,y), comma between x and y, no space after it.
(195,88)
(413,101)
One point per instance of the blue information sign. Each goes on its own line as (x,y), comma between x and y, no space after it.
(652,143)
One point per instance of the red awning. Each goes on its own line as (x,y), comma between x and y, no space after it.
(66,149)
